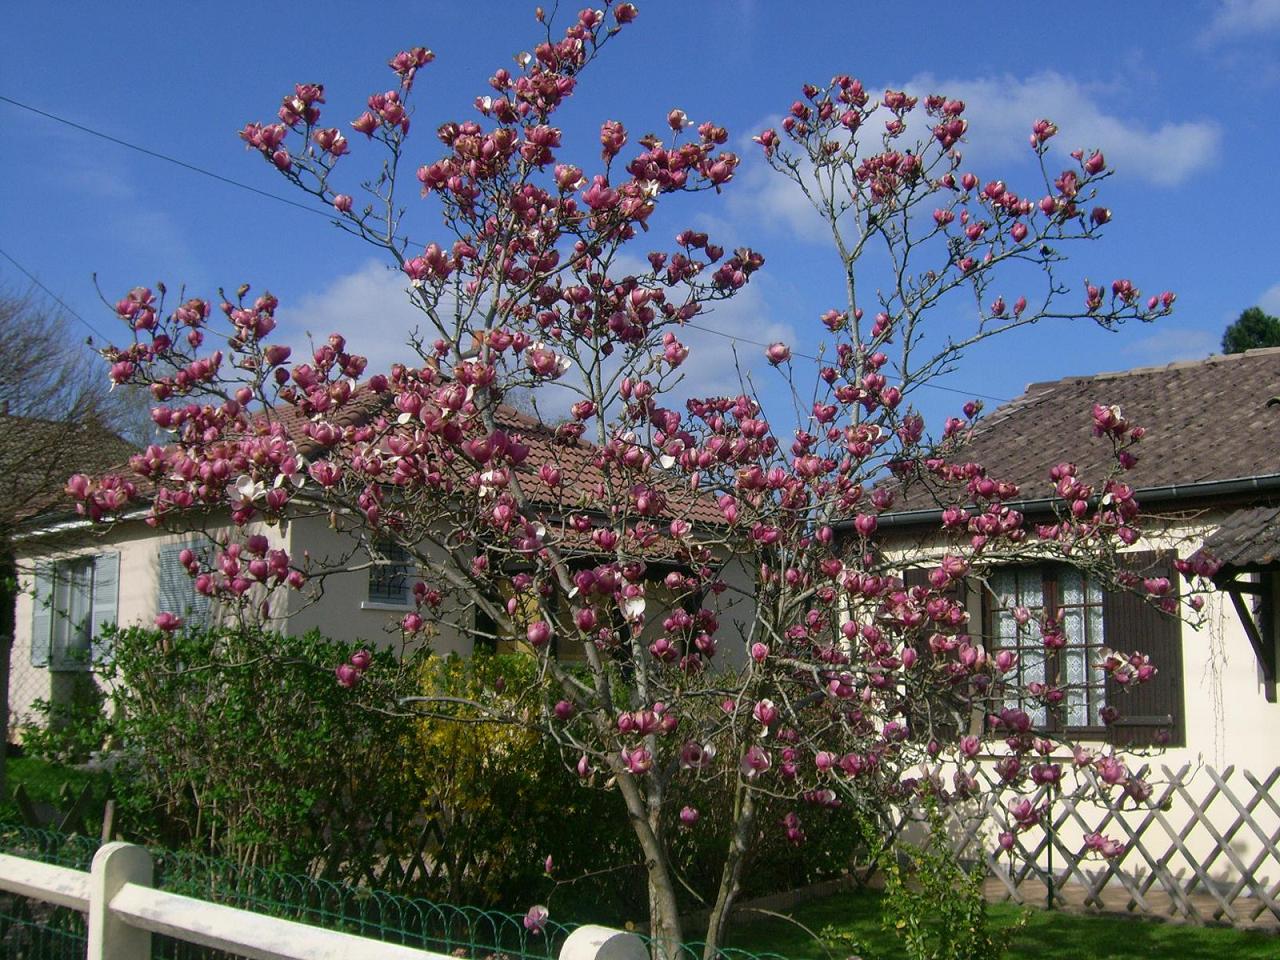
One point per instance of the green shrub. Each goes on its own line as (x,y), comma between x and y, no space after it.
(69,730)
(242,745)
(936,905)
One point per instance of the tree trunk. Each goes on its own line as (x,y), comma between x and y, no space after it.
(8,620)
(664,912)
(730,877)
(664,917)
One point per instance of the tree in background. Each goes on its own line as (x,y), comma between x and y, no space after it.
(1254,328)
(830,683)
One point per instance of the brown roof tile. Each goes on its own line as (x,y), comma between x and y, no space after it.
(1247,538)
(38,456)
(575,460)
(1206,420)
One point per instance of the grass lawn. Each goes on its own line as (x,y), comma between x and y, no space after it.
(43,781)
(1046,936)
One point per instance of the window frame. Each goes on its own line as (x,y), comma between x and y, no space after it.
(389,559)
(1051,593)
(78,586)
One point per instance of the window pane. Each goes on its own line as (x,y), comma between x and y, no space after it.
(1097,640)
(1004,583)
(1033,671)
(1071,587)
(391,573)
(72,608)
(1076,678)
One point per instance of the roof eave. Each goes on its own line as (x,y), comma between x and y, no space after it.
(1208,489)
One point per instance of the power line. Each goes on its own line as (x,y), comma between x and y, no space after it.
(57,299)
(193,168)
(157,155)
(809,356)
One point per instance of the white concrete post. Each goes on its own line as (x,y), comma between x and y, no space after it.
(603,943)
(110,938)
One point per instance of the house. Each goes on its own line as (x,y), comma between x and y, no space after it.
(1208,482)
(77,578)
(36,456)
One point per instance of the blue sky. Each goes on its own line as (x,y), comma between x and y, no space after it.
(1181,97)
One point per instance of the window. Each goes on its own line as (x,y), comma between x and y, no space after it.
(391,575)
(1057,590)
(178,594)
(74,599)
(1092,618)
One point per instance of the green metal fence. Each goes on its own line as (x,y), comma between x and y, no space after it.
(32,930)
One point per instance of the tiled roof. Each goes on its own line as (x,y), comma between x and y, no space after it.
(1247,538)
(574,460)
(1206,420)
(37,456)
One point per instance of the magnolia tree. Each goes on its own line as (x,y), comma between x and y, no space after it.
(611,542)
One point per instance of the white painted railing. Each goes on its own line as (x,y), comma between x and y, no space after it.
(124,909)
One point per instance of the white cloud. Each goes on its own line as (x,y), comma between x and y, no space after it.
(1269,300)
(1001,110)
(372,310)
(1239,18)
(767,197)
(368,306)
(717,364)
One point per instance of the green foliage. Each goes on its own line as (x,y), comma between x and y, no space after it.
(243,745)
(851,924)
(507,799)
(514,799)
(935,904)
(774,864)
(1254,328)
(71,729)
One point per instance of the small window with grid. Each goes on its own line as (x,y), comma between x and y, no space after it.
(391,574)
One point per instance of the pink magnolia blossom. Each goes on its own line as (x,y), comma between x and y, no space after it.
(535,919)
(168,622)
(755,762)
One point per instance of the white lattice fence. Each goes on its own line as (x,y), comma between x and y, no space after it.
(1204,847)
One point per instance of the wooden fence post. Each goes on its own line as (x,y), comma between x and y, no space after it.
(114,865)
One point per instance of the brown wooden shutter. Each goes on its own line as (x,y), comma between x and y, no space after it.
(1130,624)
(915,577)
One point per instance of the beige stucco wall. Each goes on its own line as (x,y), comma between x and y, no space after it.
(337,604)
(1228,723)
(735,609)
